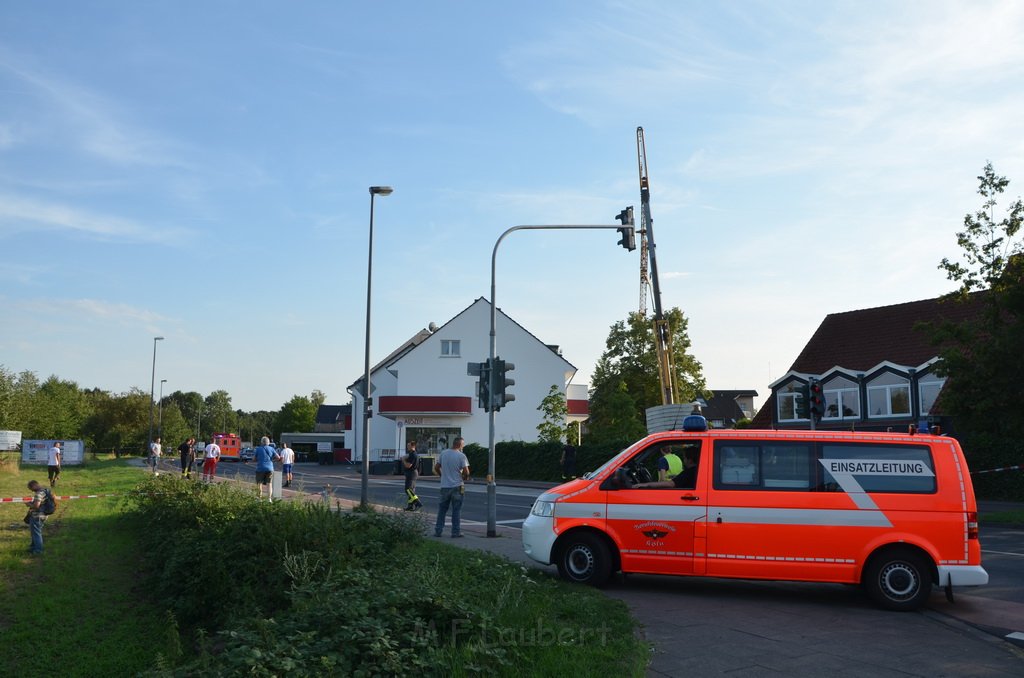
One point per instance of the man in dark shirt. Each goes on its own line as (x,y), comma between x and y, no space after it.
(188,457)
(410,462)
(568,462)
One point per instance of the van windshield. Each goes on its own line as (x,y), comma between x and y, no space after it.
(611,462)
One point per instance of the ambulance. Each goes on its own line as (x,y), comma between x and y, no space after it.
(892,512)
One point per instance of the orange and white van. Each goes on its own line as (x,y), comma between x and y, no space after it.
(894,512)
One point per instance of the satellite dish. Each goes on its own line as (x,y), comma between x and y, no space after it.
(432,327)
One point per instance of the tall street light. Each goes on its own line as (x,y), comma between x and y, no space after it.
(367,403)
(152,386)
(160,413)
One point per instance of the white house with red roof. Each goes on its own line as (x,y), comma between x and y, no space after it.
(422,391)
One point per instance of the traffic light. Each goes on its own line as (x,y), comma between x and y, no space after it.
(628,232)
(502,383)
(817,400)
(484,386)
(803,402)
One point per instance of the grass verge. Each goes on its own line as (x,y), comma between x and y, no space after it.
(1003,518)
(295,589)
(77,608)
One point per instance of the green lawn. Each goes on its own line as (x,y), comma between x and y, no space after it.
(1003,518)
(84,608)
(76,610)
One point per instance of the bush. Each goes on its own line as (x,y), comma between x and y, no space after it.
(985,452)
(214,551)
(537,461)
(455,614)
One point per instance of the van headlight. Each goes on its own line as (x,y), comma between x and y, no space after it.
(544,509)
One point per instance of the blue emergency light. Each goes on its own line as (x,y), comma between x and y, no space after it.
(695,422)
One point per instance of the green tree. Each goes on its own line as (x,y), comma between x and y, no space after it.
(626,375)
(298,415)
(7,400)
(318,398)
(554,408)
(981,355)
(191,405)
(174,429)
(118,423)
(218,416)
(62,409)
(615,414)
(19,399)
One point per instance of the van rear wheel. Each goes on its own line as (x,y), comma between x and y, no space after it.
(585,558)
(898,579)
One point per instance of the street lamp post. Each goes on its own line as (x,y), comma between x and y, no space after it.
(367,403)
(160,413)
(492,500)
(152,387)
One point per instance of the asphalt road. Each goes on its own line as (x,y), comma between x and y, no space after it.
(513,503)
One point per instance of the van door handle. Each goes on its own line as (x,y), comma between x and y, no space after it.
(689,497)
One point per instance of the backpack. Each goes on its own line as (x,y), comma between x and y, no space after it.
(49,504)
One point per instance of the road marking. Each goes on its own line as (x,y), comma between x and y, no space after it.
(1003,553)
(1016,635)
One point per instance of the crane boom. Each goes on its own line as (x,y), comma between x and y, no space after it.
(662,332)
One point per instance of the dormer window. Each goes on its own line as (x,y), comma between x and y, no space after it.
(842,398)
(889,396)
(450,348)
(787,401)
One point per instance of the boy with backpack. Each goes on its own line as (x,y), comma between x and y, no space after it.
(43,504)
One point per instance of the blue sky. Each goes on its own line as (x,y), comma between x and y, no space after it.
(199,171)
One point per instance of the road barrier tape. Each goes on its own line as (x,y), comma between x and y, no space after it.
(26,500)
(994,470)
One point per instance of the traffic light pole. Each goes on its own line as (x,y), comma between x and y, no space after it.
(492,488)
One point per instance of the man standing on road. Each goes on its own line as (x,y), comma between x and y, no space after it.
(211,455)
(453,467)
(188,457)
(265,458)
(53,463)
(287,462)
(410,463)
(155,452)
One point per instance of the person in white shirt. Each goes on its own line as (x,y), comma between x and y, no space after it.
(211,456)
(155,450)
(287,460)
(53,463)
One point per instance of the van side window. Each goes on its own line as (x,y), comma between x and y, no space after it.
(771,465)
(878,467)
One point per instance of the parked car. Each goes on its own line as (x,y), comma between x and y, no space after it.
(247,454)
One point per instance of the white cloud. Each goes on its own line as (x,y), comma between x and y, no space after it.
(93,123)
(43,312)
(22,214)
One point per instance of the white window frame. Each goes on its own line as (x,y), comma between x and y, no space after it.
(928,380)
(788,395)
(451,348)
(888,389)
(847,392)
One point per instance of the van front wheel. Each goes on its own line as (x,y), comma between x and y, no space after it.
(584,558)
(898,580)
